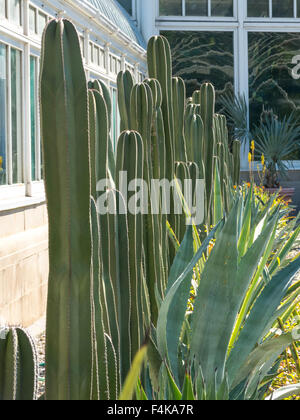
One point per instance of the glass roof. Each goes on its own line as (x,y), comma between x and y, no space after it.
(113,11)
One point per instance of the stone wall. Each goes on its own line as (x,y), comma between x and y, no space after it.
(23,264)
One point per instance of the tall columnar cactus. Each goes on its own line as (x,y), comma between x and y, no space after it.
(160,68)
(125,84)
(142,112)
(236,150)
(18,365)
(179,98)
(206,99)
(130,152)
(65,135)
(103,133)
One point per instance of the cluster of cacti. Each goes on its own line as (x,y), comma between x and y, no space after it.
(18,365)
(109,270)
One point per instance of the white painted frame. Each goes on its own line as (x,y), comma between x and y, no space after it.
(241,25)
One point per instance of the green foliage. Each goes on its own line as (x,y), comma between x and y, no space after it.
(277,140)
(116,276)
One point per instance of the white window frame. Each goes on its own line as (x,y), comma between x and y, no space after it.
(271,18)
(241,25)
(185,18)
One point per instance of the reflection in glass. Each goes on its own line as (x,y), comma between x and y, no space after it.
(271,81)
(170,7)
(15,11)
(3,128)
(283,8)
(127,4)
(222,8)
(258,8)
(200,57)
(196,8)
(16,119)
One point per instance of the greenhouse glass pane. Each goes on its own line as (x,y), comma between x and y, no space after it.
(258,8)
(2,9)
(16,117)
(222,8)
(196,8)
(272,80)
(170,7)
(32,20)
(127,4)
(33,105)
(42,22)
(15,11)
(3,113)
(283,8)
(200,57)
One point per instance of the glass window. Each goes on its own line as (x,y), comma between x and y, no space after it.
(32,20)
(200,57)
(3,107)
(102,58)
(15,11)
(16,117)
(196,7)
(2,8)
(115,124)
(42,22)
(222,8)
(81,40)
(283,8)
(170,7)
(258,8)
(127,4)
(273,74)
(33,110)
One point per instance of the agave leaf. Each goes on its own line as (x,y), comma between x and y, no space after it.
(284,392)
(175,394)
(173,309)
(213,316)
(261,317)
(259,362)
(133,375)
(188,393)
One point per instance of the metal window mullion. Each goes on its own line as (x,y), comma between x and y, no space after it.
(209,8)
(295,9)
(9,123)
(183,8)
(270,9)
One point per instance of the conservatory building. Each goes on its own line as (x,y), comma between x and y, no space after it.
(246,47)
(110,41)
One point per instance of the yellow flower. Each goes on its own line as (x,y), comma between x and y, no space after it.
(263,160)
(249,157)
(253,146)
(1,161)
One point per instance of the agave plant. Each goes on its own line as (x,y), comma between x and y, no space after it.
(227,347)
(277,140)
